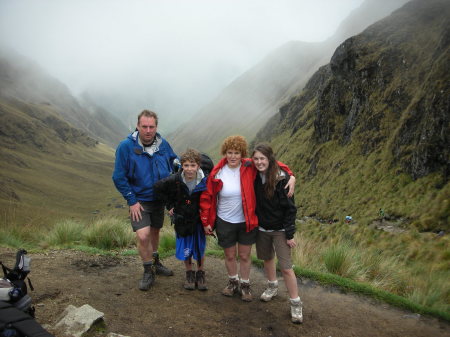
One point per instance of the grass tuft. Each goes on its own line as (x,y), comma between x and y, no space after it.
(337,260)
(109,233)
(65,234)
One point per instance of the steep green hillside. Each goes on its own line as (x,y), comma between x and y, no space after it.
(371,129)
(249,101)
(48,169)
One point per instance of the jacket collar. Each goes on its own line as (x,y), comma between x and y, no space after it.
(151,149)
(245,162)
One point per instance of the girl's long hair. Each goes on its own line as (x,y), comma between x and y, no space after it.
(272,170)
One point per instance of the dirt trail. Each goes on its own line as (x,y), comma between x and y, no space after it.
(109,284)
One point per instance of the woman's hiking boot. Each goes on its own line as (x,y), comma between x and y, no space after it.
(160,269)
(189,284)
(246,292)
(296,311)
(231,288)
(148,278)
(200,280)
(271,291)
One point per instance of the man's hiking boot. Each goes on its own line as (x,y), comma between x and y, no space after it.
(200,280)
(246,292)
(160,269)
(231,288)
(147,279)
(271,291)
(296,312)
(189,284)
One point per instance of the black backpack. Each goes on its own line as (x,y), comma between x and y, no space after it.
(16,276)
(17,313)
(206,164)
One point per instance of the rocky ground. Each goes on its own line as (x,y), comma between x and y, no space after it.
(109,284)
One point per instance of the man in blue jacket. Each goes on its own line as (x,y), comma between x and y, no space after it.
(141,160)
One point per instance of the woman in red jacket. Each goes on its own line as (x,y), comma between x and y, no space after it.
(228,206)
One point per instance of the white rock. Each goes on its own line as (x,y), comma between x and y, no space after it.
(76,321)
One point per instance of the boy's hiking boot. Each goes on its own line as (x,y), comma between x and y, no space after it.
(160,269)
(296,312)
(200,280)
(189,284)
(231,288)
(147,279)
(246,292)
(271,291)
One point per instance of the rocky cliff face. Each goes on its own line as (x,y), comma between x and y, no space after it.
(384,95)
(396,70)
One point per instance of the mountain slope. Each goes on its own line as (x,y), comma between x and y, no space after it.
(372,128)
(248,102)
(49,169)
(23,80)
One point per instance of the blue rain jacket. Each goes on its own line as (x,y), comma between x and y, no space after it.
(136,171)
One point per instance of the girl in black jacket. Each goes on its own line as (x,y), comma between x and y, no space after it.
(276,216)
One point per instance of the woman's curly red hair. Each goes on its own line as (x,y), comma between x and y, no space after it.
(237,143)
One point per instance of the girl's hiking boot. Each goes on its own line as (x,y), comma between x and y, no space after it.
(231,288)
(296,312)
(189,284)
(271,291)
(147,279)
(160,269)
(200,280)
(246,292)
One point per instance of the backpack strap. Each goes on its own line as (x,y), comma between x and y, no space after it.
(6,270)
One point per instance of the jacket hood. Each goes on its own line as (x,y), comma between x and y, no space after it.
(200,176)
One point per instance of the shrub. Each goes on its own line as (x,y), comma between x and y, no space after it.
(65,233)
(109,233)
(337,259)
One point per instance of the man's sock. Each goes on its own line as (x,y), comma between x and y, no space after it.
(147,266)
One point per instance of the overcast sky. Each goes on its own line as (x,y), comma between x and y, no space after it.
(166,53)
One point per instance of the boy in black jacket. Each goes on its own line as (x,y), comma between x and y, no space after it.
(181,194)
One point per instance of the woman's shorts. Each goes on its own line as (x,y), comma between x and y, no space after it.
(269,243)
(229,233)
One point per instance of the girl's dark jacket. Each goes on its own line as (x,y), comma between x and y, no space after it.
(276,213)
(174,193)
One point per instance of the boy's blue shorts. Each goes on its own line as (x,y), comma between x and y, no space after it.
(192,245)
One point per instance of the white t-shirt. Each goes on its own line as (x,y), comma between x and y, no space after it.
(229,207)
